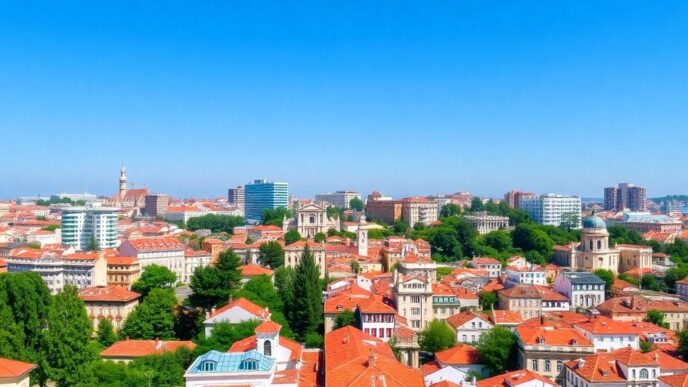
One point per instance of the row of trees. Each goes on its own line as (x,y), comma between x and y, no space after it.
(215,223)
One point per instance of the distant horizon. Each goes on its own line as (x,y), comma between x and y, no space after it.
(404,97)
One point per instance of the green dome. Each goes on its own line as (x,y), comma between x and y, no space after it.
(594,221)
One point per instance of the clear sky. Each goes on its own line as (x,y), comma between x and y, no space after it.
(403,97)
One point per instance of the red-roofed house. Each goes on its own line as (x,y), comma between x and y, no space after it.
(166,251)
(520,378)
(493,266)
(356,359)
(113,302)
(234,312)
(252,270)
(623,367)
(469,326)
(126,351)
(376,318)
(14,373)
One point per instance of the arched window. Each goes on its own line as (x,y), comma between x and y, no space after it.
(633,374)
(267,348)
(599,245)
(560,365)
(548,366)
(208,366)
(644,374)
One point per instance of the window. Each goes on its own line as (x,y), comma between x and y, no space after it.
(560,365)
(208,366)
(644,374)
(548,366)
(415,311)
(248,365)
(267,348)
(534,364)
(415,299)
(463,338)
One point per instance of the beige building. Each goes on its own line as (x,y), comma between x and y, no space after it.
(413,298)
(122,271)
(594,251)
(294,252)
(310,220)
(526,299)
(113,302)
(486,223)
(418,210)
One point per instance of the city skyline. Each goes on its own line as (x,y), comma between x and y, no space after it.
(415,98)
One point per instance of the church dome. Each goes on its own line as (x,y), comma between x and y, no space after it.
(594,221)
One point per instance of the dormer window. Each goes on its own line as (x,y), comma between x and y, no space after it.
(208,366)
(248,365)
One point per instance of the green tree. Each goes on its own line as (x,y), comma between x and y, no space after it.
(320,237)
(305,313)
(314,340)
(645,346)
(448,210)
(443,241)
(356,204)
(29,300)
(672,275)
(291,236)
(529,238)
(93,244)
(275,216)
(11,334)
(154,277)
(607,276)
(499,240)
(224,335)
(165,369)
(67,356)
(346,318)
(443,271)
(487,300)
(153,318)
(683,343)
(476,204)
(497,349)
(656,317)
(436,337)
(271,254)
(215,223)
(106,333)
(188,322)
(213,285)
(399,226)
(649,282)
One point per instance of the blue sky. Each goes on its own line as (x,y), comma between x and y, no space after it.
(401,97)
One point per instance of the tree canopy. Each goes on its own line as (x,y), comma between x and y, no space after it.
(291,236)
(275,216)
(305,311)
(436,337)
(607,276)
(497,349)
(346,318)
(656,317)
(215,223)
(154,277)
(271,254)
(106,333)
(153,318)
(356,204)
(212,285)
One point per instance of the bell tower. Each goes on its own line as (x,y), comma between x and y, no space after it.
(122,182)
(362,236)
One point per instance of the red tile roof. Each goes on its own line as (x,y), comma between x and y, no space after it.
(605,325)
(167,243)
(268,326)
(522,291)
(110,293)
(139,348)
(253,270)
(678,380)
(461,318)
(357,359)
(513,379)
(251,342)
(604,367)
(461,354)
(11,369)
(246,305)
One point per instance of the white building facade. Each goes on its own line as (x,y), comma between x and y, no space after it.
(553,210)
(81,225)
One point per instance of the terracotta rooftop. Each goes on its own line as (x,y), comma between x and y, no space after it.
(244,304)
(461,354)
(110,293)
(513,379)
(253,270)
(11,369)
(139,348)
(167,243)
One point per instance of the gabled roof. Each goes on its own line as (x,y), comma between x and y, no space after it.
(461,354)
(357,359)
(485,261)
(374,304)
(139,348)
(251,343)
(513,379)
(552,335)
(461,318)
(604,367)
(667,362)
(506,317)
(253,270)
(12,369)
(166,243)
(246,305)
(604,325)
(678,380)
(268,326)
(522,291)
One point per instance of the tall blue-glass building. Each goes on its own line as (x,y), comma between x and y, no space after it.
(262,194)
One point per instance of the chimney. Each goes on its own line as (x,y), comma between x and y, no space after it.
(542,319)
(345,339)
(158,343)
(372,358)
(581,363)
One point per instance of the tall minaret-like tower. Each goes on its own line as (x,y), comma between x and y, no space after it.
(362,236)
(122,182)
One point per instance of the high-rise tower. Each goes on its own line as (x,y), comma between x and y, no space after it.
(122,182)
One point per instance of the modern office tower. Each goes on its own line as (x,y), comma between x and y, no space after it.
(81,224)
(156,205)
(235,196)
(610,198)
(340,199)
(625,196)
(513,198)
(263,194)
(554,210)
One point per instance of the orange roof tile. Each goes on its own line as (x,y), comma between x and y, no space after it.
(678,380)
(167,243)
(268,326)
(251,342)
(139,348)
(604,367)
(461,354)
(111,293)
(513,379)
(10,369)
(253,270)
(461,318)
(244,304)
(605,325)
